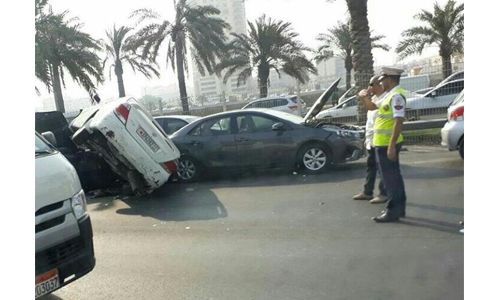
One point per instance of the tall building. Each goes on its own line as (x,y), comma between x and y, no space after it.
(328,70)
(211,86)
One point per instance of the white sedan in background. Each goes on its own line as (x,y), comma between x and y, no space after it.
(347,106)
(439,97)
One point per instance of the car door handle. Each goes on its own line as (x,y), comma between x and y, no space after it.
(194,143)
(241,139)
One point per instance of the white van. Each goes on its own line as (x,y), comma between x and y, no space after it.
(64,249)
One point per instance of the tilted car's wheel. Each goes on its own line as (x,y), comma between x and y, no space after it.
(461,148)
(314,158)
(188,169)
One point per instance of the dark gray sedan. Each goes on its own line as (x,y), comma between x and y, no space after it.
(264,138)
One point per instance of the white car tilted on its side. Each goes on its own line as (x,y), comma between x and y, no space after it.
(130,141)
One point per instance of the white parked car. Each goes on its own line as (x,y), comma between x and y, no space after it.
(452,134)
(439,97)
(130,141)
(347,106)
(282,103)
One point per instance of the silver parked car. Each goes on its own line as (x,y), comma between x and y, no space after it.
(452,134)
(282,103)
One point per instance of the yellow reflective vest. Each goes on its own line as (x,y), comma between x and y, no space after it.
(385,120)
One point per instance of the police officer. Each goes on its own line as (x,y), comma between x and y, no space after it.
(378,94)
(388,142)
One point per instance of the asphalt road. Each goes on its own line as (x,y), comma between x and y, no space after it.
(282,235)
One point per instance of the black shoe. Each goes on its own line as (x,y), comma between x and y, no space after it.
(402,214)
(387,216)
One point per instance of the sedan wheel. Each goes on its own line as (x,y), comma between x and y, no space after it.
(187,170)
(315,158)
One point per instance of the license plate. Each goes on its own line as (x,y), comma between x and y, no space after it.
(46,283)
(148,140)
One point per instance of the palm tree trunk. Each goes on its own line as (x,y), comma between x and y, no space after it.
(119,78)
(348,69)
(56,87)
(263,75)
(362,57)
(446,66)
(180,77)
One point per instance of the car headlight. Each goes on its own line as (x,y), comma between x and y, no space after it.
(349,134)
(79,205)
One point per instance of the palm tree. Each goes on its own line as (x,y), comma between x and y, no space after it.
(119,50)
(197,24)
(43,22)
(269,45)
(339,42)
(445,27)
(61,46)
(362,57)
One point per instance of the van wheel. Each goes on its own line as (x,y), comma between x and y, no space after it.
(188,169)
(461,148)
(314,158)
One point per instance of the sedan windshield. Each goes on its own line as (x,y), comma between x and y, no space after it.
(286,116)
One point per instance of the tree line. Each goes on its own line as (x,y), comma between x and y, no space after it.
(197,32)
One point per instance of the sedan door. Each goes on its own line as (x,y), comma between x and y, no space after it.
(259,146)
(212,143)
(445,94)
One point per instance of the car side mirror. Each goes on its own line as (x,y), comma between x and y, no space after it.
(50,137)
(433,94)
(278,127)
(344,106)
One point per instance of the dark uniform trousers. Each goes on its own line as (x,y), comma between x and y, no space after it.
(391,175)
(371,175)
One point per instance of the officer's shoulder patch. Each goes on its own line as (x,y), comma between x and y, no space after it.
(399,101)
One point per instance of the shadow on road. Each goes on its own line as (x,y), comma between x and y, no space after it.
(433,224)
(176,203)
(449,210)
(413,172)
(282,177)
(50,297)
(337,174)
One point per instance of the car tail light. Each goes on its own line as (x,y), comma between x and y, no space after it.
(457,114)
(170,166)
(293,107)
(122,111)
